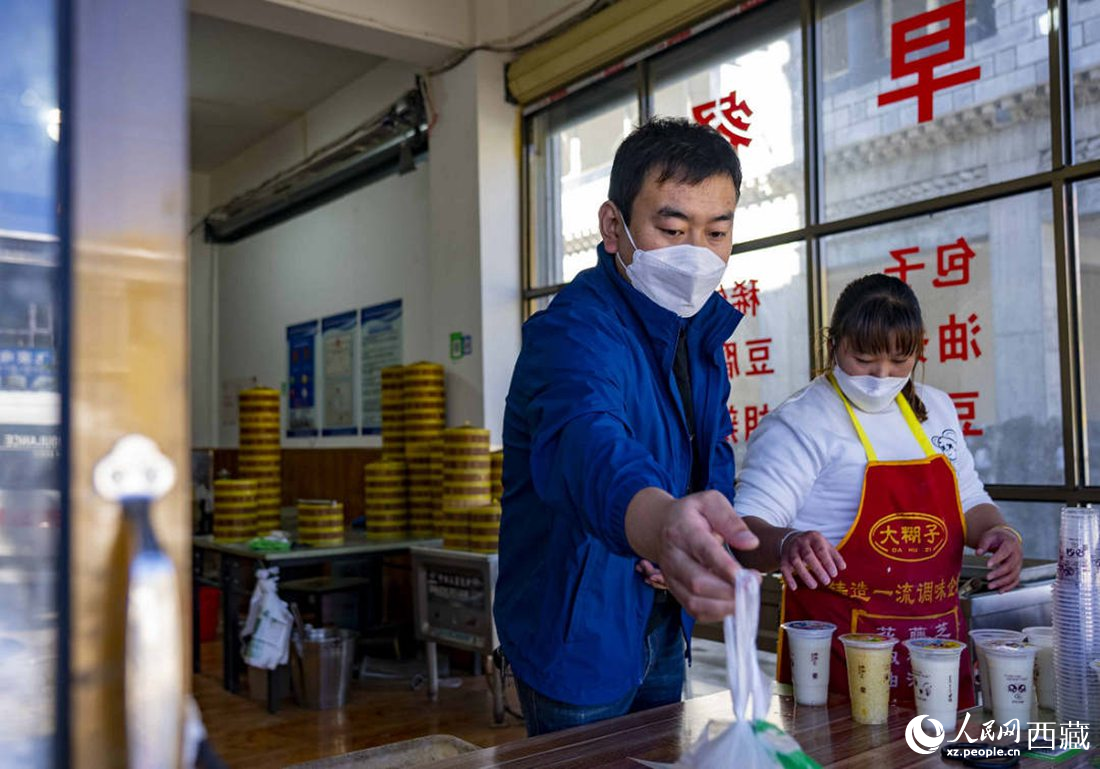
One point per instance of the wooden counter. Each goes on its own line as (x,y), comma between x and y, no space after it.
(826,733)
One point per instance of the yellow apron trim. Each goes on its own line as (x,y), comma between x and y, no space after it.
(871,456)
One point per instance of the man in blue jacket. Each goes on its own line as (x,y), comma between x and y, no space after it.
(615,445)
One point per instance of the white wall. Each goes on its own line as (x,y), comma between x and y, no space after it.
(368,247)
(444,239)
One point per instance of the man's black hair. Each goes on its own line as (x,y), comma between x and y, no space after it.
(680,150)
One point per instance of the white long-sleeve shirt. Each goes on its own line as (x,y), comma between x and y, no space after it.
(804,467)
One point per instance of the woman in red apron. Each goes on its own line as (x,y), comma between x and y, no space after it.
(886,560)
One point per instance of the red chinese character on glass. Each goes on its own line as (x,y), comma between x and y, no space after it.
(732,367)
(905,45)
(958,340)
(759,355)
(726,120)
(966,404)
(753,415)
(733,423)
(744,296)
(953,264)
(904,266)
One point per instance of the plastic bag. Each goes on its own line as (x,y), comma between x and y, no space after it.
(749,742)
(266,631)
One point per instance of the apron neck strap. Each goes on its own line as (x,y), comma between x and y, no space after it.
(906,412)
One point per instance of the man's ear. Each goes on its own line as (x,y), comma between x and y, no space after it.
(611,230)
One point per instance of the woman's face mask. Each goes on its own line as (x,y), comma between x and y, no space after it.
(872,381)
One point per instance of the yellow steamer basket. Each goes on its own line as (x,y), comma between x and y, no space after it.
(484,528)
(425,403)
(393,412)
(259,457)
(496,472)
(385,499)
(234,510)
(320,522)
(466,464)
(455,526)
(421,494)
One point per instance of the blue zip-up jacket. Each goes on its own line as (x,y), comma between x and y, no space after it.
(593,416)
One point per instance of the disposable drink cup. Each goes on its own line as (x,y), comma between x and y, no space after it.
(1011,680)
(935,665)
(868,657)
(810,642)
(990,634)
(1046,678)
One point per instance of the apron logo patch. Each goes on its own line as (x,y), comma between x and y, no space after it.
(909,537)
(947,442)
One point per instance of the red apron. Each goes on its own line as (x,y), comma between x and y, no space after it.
(904,556)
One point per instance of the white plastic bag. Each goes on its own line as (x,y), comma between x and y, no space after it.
(749,742)
(266,631)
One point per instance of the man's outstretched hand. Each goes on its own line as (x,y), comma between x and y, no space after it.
(686,537)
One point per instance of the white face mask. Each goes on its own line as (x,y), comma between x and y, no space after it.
(872,394)
(679,278)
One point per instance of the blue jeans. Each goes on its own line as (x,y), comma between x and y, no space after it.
(662,684)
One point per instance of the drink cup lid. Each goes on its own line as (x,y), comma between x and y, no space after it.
(982,634)
(1009,648)
(941,647)
(868,641)
(809,628)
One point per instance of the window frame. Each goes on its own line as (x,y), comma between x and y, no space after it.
(1077,487)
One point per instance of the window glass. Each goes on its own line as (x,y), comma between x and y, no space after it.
(986,281)
(919,99)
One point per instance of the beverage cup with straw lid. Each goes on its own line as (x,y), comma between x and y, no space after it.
(989,634)
(868,657)
(809,642)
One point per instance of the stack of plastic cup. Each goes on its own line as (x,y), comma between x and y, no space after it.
(979,637)
(1076,611)
(1042,638)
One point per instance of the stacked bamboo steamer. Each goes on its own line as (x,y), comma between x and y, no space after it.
(496,474)
(436,464)
(485,528)
(485,521)
(425,404)
(234,510)
(259,455)
(320,522)
(421,491)
(466,481)
(393,412)
(385,496)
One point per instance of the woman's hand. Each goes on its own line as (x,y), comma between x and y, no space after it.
(1007,557)
(810,557)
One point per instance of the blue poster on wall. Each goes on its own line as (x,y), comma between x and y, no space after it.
(380,338)
(301,355)
(338,355)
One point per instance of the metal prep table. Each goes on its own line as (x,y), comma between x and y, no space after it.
(453,594)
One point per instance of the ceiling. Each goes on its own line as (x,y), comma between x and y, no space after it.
(248,82)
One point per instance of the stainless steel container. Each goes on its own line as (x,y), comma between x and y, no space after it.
(321,667)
